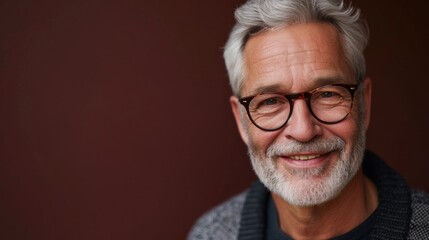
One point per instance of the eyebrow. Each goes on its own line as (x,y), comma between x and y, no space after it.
(318,82)
(329,80)
(264,89)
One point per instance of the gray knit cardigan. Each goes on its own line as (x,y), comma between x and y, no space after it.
(403,213)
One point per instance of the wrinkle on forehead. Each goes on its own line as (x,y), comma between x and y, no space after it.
(284,64)
(276,56)
(277,52)
(303,57)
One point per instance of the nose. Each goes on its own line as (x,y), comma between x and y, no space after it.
(302,126)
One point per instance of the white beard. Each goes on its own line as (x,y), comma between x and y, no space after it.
(312,186)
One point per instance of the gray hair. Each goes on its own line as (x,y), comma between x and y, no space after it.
(258,15)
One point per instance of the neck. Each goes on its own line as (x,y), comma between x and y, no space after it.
(321,221)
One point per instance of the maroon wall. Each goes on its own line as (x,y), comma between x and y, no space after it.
(115,121)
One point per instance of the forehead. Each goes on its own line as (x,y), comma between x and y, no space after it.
(294,58)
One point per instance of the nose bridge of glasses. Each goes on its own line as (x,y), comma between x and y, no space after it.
(304,96)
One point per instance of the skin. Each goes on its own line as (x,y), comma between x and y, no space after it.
(294,59)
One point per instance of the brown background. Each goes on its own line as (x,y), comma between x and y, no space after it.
(115,121)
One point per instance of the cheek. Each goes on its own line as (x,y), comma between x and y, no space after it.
(260,140)
(347,131)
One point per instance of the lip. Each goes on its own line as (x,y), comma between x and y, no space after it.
(306,160)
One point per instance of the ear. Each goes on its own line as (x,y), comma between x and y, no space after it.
(367,100)
(235,105)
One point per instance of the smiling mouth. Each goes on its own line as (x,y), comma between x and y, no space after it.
(305,157)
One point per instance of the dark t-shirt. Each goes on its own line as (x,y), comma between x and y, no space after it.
(273,231)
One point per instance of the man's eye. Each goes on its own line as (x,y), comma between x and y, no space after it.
(270,101)
(328,94)
(267,103)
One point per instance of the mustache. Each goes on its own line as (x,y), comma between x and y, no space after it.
(317,145)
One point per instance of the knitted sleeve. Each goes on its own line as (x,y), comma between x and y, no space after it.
(222,222)
(419,226)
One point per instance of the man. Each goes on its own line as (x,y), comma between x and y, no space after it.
(302,106)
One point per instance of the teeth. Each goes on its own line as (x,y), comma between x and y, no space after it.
(304,157)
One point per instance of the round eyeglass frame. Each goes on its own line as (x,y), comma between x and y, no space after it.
(306,96)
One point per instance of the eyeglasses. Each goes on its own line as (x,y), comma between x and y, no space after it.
(329,104)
